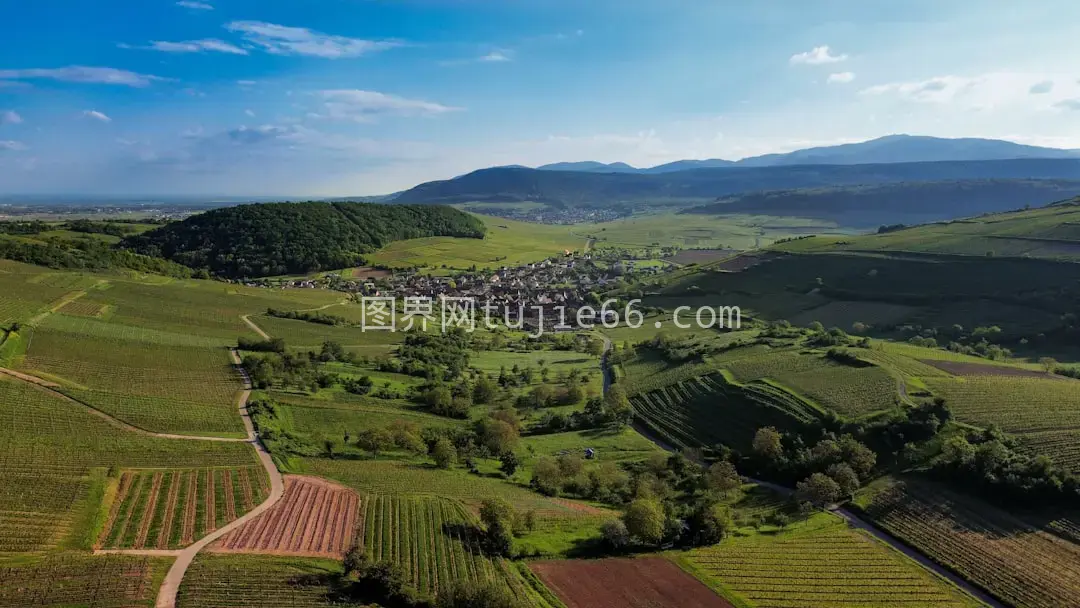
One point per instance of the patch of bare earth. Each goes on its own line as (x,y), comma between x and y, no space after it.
(314,518)
(961,368)
(651,582)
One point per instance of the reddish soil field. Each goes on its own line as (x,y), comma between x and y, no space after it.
(700,256)
(314,518)
(959,368)
(651,582)
(747,260)
(366,272)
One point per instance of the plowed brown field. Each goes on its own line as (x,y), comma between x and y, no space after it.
(314,518)
(625,583)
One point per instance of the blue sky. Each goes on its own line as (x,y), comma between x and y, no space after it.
(346,97)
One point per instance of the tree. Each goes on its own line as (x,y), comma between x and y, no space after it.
(484,390)
(596,347)
(617,406)
(509,463)
(498,517)
(767,444)
(444,453)
(644,520)
(1049,364)
(615,534)
(465,594)
(439,398)
(861,458)
(570,465)
(709,524)
(723,477)
(845,477)
(958,452)
(355,560)
(375,441)
(547,476)
(497,436)
(818,489)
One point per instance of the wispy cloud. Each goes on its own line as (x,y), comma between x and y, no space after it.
(196,46)
(85,75)
(249,113)
(247,83)
(498,55)
(95,115)
(1041,88)
(192,4)
(840,78)
(14,146)
(366,106)
(10,117)
(1068,104)
(817,56)
(282,40)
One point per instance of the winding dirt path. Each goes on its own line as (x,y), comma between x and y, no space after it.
(851,518)
(171,585)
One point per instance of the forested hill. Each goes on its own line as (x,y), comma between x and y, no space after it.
(288,238)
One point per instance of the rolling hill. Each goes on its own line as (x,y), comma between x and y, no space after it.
(285,238)
(903,203)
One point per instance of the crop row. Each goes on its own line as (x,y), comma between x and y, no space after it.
(1019,564)
(821,562)
(168,509)
(111,581)
(1015,404)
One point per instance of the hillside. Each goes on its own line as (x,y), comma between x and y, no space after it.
(1051,232)
(901,203)
(284,238)
(581,189)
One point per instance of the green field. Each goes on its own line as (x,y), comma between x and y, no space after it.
(820,562)
(507,243)
(249,580)
(1050,232)
(698,231)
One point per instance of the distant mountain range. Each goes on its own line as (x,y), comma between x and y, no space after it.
(888,149)
(697,186)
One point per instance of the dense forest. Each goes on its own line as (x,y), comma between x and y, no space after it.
(286,238)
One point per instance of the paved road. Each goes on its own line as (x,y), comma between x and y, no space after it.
(852,519)
(171,585)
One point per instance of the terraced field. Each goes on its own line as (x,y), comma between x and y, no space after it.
(711,410)
(822,563)
(70,580)
(170,509)
(1018,563)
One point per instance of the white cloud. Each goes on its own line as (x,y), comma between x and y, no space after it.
(10,117)
(249,113)
(1068,104)
(840,78)
(982,92)
(246,83)
(817,56)
(282,40)
(85,75)
(497,55)
(14,146)
(95,115)
(192,4)
(1042,88)
(196,46)
(365,106)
